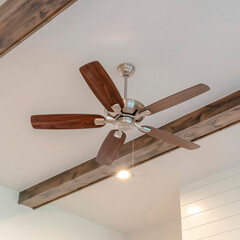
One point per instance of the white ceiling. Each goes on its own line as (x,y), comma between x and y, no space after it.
(152,196)
(173,44)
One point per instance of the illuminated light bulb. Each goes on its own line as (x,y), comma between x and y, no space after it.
(194,210)
(123,174)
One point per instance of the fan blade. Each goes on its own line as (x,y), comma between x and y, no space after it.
(170,138)
(101,85)
(110,148)
(66,121)
(176,98)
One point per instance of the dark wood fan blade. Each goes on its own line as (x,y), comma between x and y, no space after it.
(171,138)
(101,85)
(110,148)
(176,98)
(65,121)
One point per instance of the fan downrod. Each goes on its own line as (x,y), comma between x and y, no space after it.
(126,118)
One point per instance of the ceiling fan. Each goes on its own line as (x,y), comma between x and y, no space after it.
(123,113)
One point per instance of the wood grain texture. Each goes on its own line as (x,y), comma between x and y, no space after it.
(9,7)
(65,121)
(200,123)
(171,138)
(101,85)
(176,98)
(110,148)
(19,19)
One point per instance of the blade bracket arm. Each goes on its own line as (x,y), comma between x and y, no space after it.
(142,129)
(116,108)
(118,134)
(143,114)
(100,121)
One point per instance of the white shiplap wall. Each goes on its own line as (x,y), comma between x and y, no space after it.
(217,201)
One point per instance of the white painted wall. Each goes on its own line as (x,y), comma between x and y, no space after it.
(21,223)
(168,231)
(210,208)
(18,222)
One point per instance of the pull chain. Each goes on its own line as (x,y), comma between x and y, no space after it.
(133,158)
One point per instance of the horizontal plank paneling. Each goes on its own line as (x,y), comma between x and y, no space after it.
(212,215)
(210,190)
(212,229)
(212,179)
(230,235)
(219,206)
(213,202)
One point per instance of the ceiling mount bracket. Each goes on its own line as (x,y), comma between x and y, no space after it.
(126,69)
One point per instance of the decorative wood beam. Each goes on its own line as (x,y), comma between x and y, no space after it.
(207,120)
(21,18)
(9,7)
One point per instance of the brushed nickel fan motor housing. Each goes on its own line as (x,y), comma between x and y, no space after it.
(131,106)
(127,118)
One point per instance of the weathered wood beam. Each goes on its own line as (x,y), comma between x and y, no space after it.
(21,18)
(9,7)
(200,123)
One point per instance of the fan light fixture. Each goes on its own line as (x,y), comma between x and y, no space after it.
(123,174)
